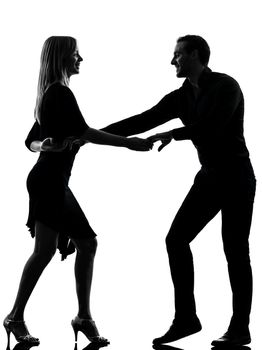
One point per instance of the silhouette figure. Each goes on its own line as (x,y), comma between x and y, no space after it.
(55,217)
(211,107)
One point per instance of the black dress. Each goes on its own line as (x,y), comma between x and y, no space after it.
(50,199)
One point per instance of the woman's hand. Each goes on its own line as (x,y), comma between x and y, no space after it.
(164,137)
(138,144)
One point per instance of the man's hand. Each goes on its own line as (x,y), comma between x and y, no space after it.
(48,145)
(139,144)
(73,141)
(164,137)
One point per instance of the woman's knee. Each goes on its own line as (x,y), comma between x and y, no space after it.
(86,246)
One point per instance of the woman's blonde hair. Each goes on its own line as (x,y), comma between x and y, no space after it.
(53,65)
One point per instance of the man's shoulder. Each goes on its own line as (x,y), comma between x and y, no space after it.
(222,78)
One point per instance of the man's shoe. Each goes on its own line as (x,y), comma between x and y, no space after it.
(179,330)
(232,339)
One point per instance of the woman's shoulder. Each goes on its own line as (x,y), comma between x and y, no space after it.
(58,91)
(58,87)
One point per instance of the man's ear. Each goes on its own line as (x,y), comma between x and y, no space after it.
(194,54)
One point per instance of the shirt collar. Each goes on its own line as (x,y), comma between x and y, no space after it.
(203,79)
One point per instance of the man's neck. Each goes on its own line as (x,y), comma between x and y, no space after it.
(195,75)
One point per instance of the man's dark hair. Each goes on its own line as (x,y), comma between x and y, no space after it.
(196,42)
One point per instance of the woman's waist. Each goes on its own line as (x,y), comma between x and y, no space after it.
(44,171)
(61,164)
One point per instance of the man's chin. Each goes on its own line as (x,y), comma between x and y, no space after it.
(179,73)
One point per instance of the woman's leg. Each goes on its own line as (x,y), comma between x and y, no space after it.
(86,249)
(45,246)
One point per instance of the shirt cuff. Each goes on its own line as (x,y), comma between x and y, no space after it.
(181,133)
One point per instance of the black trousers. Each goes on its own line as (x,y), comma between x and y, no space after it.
(231,190)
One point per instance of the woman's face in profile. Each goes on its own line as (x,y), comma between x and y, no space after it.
(73,63)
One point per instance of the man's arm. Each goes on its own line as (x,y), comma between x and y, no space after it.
(161,113)
(227,99)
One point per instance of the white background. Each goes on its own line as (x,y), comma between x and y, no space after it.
(129,198)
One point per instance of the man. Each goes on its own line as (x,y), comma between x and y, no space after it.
(211,107)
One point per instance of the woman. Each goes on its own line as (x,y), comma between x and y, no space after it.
(55,218)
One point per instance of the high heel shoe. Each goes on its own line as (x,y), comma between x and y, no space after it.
(20,332)
(88,328)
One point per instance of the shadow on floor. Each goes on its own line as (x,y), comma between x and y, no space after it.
(165,347)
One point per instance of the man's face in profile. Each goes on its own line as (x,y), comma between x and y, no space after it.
(181,60)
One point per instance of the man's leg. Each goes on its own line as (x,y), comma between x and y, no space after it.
(236,221)
(236,228)
(199,207)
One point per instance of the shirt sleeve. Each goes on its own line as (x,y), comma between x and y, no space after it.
(166,109)
(226,98)
(33,135)
(61,116)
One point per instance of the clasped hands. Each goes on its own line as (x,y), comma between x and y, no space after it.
(137,144)
(164,137)
(50,145)
(147,144)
